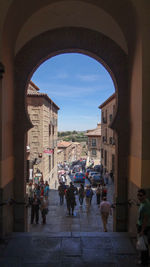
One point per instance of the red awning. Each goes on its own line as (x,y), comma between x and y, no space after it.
(48,151)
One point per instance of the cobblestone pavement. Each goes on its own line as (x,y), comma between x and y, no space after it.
(69,241)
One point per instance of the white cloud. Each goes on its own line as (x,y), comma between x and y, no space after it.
(89,77)
(62,75)
(65,90)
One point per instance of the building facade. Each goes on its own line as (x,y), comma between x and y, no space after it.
(42,138)
(108,137)
(94,145)
(69,151)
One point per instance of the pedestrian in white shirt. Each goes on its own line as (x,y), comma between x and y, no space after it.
(105,210)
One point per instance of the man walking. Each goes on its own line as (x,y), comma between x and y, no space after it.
(143,223)
(105,210)
(35,209)
(61,190)
(98,194)
(70,198)
(88,197)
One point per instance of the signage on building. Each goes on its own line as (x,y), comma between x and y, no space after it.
(48,151)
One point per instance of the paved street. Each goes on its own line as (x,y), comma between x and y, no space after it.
(69,249)
(58,221)
(69,241)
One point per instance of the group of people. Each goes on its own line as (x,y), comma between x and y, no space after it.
(38,200)
(86,193)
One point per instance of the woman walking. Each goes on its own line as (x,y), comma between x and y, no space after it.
(81,194)
(98,194)
(44,208)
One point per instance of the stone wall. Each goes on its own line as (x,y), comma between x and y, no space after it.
(108,137)
(43,136)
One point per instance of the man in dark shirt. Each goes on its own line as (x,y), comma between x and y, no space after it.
(143,223)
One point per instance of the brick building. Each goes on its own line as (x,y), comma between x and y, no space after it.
(108,137)
(94,144)
(42,138)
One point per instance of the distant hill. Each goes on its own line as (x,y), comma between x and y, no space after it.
(74,136)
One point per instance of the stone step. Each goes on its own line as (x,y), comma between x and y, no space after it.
(68,249)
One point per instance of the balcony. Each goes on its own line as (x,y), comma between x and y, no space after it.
(54,121)
(111,141)
(104,139)
(104,120)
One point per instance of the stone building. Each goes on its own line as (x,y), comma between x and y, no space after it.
(108,137)
(78,150)
(66,147)
(94,144)
(42,138)
(71,151)
(60,155)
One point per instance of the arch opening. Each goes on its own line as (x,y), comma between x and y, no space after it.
(103,50)
(61,68)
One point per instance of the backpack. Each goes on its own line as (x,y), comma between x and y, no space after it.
(88,193)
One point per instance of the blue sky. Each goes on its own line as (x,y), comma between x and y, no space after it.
(78,84)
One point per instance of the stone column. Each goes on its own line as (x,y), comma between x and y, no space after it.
(1,190)
(21,126)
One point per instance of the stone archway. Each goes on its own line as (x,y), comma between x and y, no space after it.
(114,59)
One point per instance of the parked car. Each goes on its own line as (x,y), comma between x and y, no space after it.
(93,173)
(87,173)
(98,168)
(79,177)
(97,179)
(76,168)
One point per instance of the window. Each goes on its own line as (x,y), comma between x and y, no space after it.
(106,134)
(93,142)
(53,129)
(106,115)
(105,158)
(102,153)
(113,163)
(110,117)
(49,129)
(93,152)
(53,160)
(49,163)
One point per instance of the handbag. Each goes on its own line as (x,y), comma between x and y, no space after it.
(142,243)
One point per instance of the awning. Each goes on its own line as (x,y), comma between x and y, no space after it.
(48,151)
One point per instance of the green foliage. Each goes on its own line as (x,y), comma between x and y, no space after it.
(73,136)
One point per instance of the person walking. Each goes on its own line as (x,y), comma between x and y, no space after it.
(46,189)
(91,194)
(143,224)
(61,191)
(106,177)
(81,194)
(44,208)
(98,194)
(87,196)
(70,198)
(30,193)
(105,210)
(111,175)
(35,209)
(104,191)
